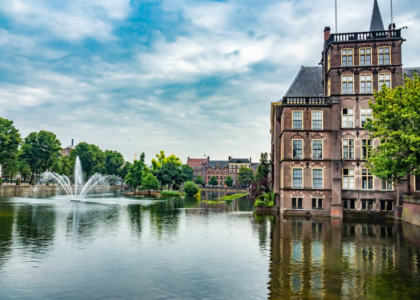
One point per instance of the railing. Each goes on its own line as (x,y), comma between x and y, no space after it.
(305,100)
(363,36)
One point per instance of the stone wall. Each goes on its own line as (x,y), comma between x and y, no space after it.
(411,210)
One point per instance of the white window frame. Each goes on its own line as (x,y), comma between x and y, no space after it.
(346,179)
(347,78)
(368,175)
(322,149)
(365,113)
(293,179)
(367,79)
(346,143)
(322,119)
(363,53)
(322,178)
(293,148)
(347,117)
(384,57)
(345,53)
(293,119)
(384,80)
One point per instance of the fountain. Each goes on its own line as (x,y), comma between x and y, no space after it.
(80,188)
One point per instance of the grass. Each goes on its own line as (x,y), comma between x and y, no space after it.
(213,202)
(170,193)
(231,197)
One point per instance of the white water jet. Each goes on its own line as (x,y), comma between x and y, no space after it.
(77,191)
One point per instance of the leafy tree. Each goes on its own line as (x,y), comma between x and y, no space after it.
(213,181)
(261,183)
(170,174)
(191,188)
(264,168)
(66,166)
(229,181)
(124,170)
(92,158)
(41,150)
(245,176)
(135,174)
(199,180)
(396,123)
(161,160)
(24,169)
(9,140)
(188,171)
(150,182)
(10,168)
(113,162)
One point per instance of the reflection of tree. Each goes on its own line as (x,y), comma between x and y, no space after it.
(164,216)
(6,227)
(135,213)
(262,227)
(35,226)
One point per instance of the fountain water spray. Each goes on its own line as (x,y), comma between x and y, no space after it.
(77,191)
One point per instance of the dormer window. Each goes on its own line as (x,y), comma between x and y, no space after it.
(347,57)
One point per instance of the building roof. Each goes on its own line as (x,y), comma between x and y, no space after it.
(239,160)
(308,82)
(410,71)
(196,161)
(255,165)
(218,163)
(376,23)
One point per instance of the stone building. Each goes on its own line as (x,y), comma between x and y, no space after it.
(319,147)
(199,165)
(219,169)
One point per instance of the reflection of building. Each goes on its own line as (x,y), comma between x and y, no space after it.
(199,166)
(319,147)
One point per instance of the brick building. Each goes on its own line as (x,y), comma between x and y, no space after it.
(319,147)
(199,165)
(223,168)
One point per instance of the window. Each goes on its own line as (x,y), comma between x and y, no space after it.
(348,149)
(316,149)
(230,171)
(347,84)
(367,180)
(365,56)
(384,55)
(329,87)
(297,203)
(366,113)
(384,79)
(366,84)
(368,205)
(348,178)
(297,149)
(349,204)
(417,182)
(316,203)
(366,148)
(348,114)
(317,178)
(347,57)
(387,205)
(297,120)
(386,185)
(297,178)
(316,119)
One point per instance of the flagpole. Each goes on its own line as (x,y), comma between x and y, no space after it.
(392,16)
(336,30)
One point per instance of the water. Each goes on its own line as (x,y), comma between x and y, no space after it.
(111,247)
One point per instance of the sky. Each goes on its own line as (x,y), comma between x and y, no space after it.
(189,77)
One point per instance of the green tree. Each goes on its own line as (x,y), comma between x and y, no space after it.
(170,174)
(188,171)
(41,150)
(199,180)
(396,123)
(113,162)
(213,181)
(229,181)
(24,169)
(264,168)
(124,170)
(135,174)
(92,158)
(150,182)
(10,169)
(9,140)
(161,160)
(66,166)
(191,188)
(245,176)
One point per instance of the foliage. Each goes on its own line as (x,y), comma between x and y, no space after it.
(245,176)
(232,197)
(150,182)
(170,174)
(188,171)
(9,140)
(135,174)
(114,161)
(10,168)
(1,181)
(92,158)
(266,199)
(161,160)
(198,195)
(213,181)
(170,193)
(124,170)
(17,181)
(264,168)
(396,123)
(191,188)
(213,202)
(40,150)
(24,169)
(229,181)
(199,180)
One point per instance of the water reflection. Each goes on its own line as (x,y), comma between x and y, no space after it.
(334,260)
(6,231)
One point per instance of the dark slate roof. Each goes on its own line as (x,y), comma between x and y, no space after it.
(376,23)
(239,160)
(308,82)
(409,72)
(221,163)
(255,165)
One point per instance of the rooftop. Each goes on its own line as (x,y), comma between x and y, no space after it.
(239,160)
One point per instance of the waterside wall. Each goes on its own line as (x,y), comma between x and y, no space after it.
(411,210)
(8,191)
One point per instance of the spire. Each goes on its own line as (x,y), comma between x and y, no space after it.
(376,22)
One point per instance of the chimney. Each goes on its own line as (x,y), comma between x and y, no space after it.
(230,157)
(327,32)
(72,142)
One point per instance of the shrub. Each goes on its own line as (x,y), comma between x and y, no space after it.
(191,188)
(17,181)
(1,181)
(266,199)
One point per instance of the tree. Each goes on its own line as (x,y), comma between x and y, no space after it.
(161,160)
(396,123)
(150,182)
(199,180)
(191,188)
(229,181)
(124,170)
(24,169)
(213,181)
(113,162)
(188,171)
(92,158)
(10,168)
(135,174)
(41,150)
(245,176)
(261,184)
(170,174)
(264,168)
(9,140)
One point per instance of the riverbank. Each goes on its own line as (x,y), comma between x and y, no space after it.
(9,191)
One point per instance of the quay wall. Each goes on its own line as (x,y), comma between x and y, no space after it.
(9,191)
(411,210)
(227,190)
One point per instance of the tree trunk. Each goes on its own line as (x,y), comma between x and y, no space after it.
(409,183)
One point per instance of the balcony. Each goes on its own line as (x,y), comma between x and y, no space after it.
(306,100)
(364,36)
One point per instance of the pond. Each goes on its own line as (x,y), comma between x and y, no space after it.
(112,247)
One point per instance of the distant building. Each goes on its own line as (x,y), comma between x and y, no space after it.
(219,169)
(66,151)
(199,165)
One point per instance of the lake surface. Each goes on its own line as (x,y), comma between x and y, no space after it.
(112,247)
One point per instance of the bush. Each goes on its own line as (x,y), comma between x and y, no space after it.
(1,181)
(266,199)
(191,188)
(17,181)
